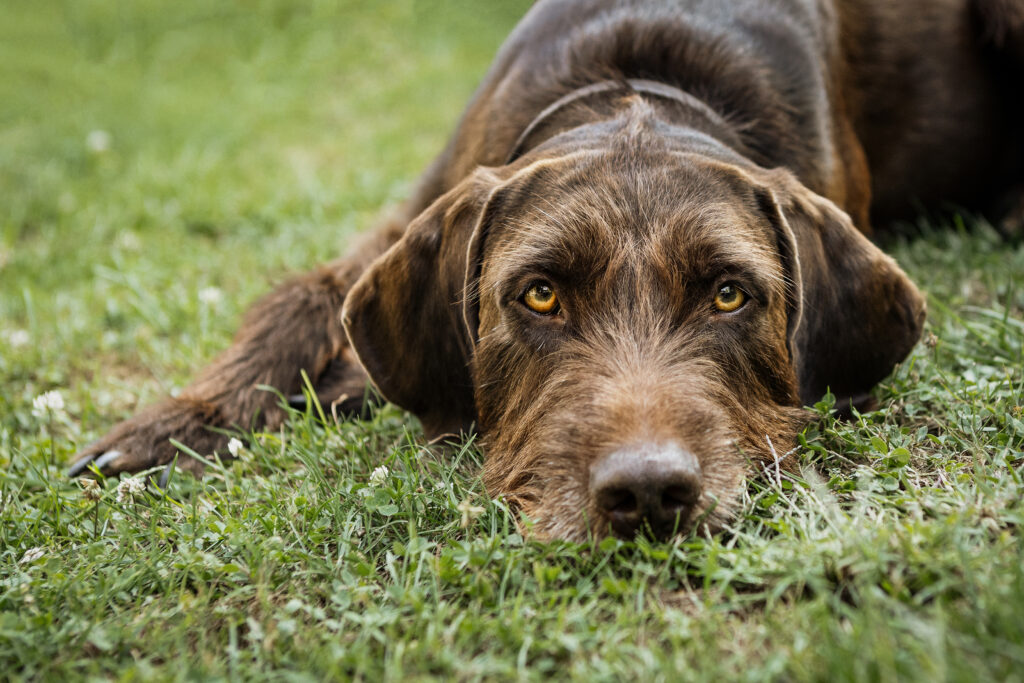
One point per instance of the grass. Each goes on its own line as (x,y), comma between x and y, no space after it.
(242,141)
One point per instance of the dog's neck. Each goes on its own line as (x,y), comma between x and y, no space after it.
(603,108)
(605,99)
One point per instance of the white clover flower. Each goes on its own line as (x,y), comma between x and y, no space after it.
(129,488)
(235,446)
(31,555)
(91,490)
(210,295)
(379,475)
(469,512)
(98,141)
(45,404)
(17,338)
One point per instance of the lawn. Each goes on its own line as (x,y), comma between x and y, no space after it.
(164,163)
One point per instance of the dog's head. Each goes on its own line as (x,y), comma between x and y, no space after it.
(629,327)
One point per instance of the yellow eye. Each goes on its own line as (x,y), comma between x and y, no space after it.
(540,298)
(729,298)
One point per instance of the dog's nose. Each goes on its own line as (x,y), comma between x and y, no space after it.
(649,485)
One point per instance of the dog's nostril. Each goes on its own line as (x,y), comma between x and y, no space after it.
(676,499)
(619,502)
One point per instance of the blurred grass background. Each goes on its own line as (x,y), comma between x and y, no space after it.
(149,150)
(163,163)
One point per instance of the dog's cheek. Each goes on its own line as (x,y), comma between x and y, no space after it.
(563,511)
(512,383)
(768,435)
(759,432)
(502,368)
(512,422)
(756,363)
(544,485)
(537,453)
(755,386)
(723,475)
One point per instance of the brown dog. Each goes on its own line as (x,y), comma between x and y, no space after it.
(644,249)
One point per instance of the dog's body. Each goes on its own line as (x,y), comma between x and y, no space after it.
(635,259)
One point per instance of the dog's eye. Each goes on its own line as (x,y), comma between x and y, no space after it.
(729,298)
(540,298)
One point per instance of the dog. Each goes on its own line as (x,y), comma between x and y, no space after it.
(644,249)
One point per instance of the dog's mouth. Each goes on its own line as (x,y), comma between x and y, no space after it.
(660,488)
(627,521)
(659,493)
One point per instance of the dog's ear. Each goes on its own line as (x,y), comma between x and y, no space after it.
(410,317)
(854,313)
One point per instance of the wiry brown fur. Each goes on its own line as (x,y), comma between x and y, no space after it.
(635,204)
(639,355)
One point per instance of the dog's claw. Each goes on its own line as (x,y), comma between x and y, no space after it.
(165,476)
(80,465)
(101,462)
(107,458)
(145,441)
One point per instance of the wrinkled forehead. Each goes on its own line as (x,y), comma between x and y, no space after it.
(590,214)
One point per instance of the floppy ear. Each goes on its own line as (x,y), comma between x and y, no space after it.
(409,317)
(855,314)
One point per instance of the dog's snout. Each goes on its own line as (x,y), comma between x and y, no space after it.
(653,486)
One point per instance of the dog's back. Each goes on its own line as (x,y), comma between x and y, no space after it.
(934,92)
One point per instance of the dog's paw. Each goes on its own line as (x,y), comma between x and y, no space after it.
(144,441)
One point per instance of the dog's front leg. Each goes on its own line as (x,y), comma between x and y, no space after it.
(295,328)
